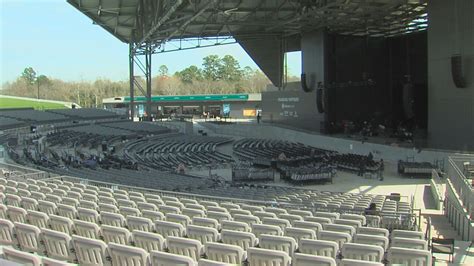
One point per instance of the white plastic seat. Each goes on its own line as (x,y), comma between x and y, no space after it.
(353,223)
(153,215)
(166,229)
(373,220)
(54,198)
(319,220)
(52,262)
(74,194)
(248,219)
(216,209)
(20,257)
(61,224)
(170,198)
(229,205)
(86,229)
(373,231)
(123,255)
(225,253)
(70,201)
(113,234)
(362,252)
(88,205)
(6,232)
(139,223)
(351,262)
(338,237)
(112,219)
(259,229)
(236,226)
(234,212)
(57,244)
(264,214)
(276,211)
(191,213)
(195,206)
(169,209)
(251,208)
(282,243)
(146,206)
(67,211)
(47,207)
(354,217)
(208,203)
(409,243)
(37,195)
(340,228)
(406,256)
(29,203)
(90,197)
(407,234)
(28,237)
(185,246)
(89,251)
(291,218)
(105,207)
(39,219)
(300,233)
(219,216)
(330,215)
(207,222)
(178,218)
(126,203)
(158,258)
(316,227)
(188,201)
(12,200)
(88,215)
(375,240)
(241,239)
(16,214)
(107,200)
(137,199)
(319,247)
(263,257)
(148,241)
(203,234)
(207,262)
(312,260)
(301,213)
(126,211)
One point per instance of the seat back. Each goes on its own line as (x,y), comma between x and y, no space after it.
(148,241)
(362,252)
(112,219)
(409,243)
(319,247)
(248,219)
(203,234)
(178,218)
(236,226)
(153,215)
(407,234)
(351,262)
(47,207)
(282,223)
(139,223)
(207,222)
(300,233)
(166,229)
(38,219)
(61,224)
(87,229)
(114,234)
(87,215)
(123,255)
(67,211)
(28,237)
(29,203)
(159,258)
(241,239)
(259,229)
(184,246)
(338,237)
(375,240)
(373,231)
(21,257)
(57,244)
(264,257)
(340,228)
(282,243)
(89,251)
(16,214)
(224,253)
(6,232)
(406,256)
(312,260)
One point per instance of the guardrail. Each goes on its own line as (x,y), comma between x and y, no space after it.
(460,183)
(436,189)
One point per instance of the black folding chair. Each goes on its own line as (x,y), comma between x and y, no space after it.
(443,246)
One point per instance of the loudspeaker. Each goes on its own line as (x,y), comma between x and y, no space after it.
(320,100)
(304,84)
(456,71)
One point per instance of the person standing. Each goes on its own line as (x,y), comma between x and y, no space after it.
(259,116)
(381,169)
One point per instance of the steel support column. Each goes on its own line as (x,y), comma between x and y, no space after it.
(148,80)
(131,64)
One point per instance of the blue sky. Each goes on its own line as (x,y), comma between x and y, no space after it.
(58,41)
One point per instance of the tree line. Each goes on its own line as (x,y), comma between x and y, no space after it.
(216,75)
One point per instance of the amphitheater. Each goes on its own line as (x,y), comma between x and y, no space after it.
(90,187)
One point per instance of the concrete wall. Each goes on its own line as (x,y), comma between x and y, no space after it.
(450,109)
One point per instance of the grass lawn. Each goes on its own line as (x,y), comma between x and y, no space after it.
(19,103)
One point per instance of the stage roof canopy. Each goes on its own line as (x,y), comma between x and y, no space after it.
(156,22)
